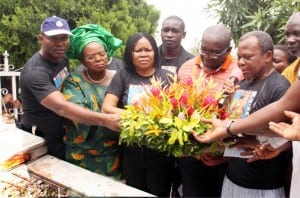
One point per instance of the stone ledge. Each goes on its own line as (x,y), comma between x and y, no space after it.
(79,181)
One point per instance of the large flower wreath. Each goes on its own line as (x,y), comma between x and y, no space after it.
(163,118)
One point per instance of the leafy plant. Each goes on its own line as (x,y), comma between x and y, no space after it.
(20,21)
(244,16)
(163,118)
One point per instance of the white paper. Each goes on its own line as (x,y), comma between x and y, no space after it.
(235,152)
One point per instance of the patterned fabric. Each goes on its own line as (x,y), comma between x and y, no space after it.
(92,147)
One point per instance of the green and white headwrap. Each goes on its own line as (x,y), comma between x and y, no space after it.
(86,34)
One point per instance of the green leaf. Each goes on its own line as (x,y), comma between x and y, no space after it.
(166,121)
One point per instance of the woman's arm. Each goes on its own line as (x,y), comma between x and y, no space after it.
(110,103)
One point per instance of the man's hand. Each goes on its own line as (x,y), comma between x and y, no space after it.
(7,98)
(218,131)
(256,150)
(16,104)
(260,152)
(288,131)
(112,121)
(229,87)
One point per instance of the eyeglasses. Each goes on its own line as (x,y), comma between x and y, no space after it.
(92,57)
(211,54)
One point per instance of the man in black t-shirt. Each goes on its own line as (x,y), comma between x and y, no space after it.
(257,176)
(274,112)
(172,54)
(43,104)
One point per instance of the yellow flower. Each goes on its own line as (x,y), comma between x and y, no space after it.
(77,156)
(164,117)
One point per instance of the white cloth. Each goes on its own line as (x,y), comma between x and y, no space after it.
(231,190)
(295,183)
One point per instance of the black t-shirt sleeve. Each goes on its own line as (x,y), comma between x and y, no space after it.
(116,86)
(40,84)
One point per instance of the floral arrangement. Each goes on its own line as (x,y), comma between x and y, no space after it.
(163,118)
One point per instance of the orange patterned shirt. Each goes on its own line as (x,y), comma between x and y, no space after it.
(229,68)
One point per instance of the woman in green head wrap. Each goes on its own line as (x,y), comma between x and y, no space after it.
(92,147)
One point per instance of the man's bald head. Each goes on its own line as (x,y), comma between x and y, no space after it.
(215,46)
(295,18)
(292,33)
(219,33)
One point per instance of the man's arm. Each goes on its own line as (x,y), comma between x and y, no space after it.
(258,120)
(286,130)
(57,103)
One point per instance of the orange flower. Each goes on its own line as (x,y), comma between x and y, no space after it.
(93,152)
(115,166)
(110,143)
(79,139)
(15,160)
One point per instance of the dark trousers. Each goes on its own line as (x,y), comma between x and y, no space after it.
(199,180)
(55,144)
(148,170)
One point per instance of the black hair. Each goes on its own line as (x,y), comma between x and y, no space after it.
(176,18)
(131,43)
(264,40)
(284,49)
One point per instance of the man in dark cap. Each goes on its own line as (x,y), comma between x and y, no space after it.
(43,104)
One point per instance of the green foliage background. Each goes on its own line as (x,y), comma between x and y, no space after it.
(247,15)
(20,21)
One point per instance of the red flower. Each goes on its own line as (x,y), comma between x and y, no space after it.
(190,110)
(167,90)
(183,99)
(223,114)
(174,102)
(209,100)
(155,91)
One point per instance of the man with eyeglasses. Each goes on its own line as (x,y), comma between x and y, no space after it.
(44,105)
(204,177)
(278,111)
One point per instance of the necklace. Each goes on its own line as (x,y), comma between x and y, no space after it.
(95,81)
